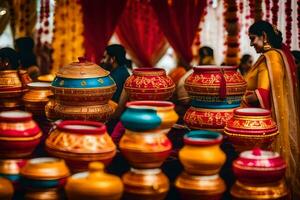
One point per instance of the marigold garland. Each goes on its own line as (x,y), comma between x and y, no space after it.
(258,10)
(43,29)
(274,10)
(289,19)
(268,7)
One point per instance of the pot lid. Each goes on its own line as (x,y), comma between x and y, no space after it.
(82,69)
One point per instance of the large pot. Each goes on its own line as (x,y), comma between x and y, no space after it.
(193,187)
(19,134)
(216,87)
(149,84)
(146,184)
(94,184)
(259,167)
(80,142)
(251,127)
(201,154)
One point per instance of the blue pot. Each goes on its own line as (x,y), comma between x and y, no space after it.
(105,81)
(229,102)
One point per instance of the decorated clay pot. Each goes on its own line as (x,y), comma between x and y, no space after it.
(19,134)
(258,166)
(216,87)
(83,82)
(80,142)
(201,154)
(251,127)
(97,112)
(6,189)
(149,115)
(10,84)
(271,191)
(145,149)
(44,173)
(193,187)
(209,119)
(37,97)
(94,184)
(145,184)
(49,109)
(149,84)
(10,169)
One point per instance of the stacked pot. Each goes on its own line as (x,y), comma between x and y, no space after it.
(146,146)
(260,175)
(202,160)
(215,92)
(82,91)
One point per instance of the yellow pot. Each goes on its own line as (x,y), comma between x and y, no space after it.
(6,189)
(94,184)
(201,154)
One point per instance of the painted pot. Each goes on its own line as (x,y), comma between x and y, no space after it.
(258,166)
(149,84)
(19,134)
(145,149)
(10,169)
(97,112)
(10,84)
(94,184)
(271,191)
(251,127)
(149,115)
(44,173)
(36,98)
(80,142)
(201,154)
(6,189)
(146,184)
(216,87)
(193,187)
(209,119)
(83,82)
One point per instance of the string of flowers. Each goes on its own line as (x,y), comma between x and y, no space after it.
(241,7)
(268,7)
(298,21)
(43,29)
(252,8)
(288,13)
(232,28)
(258,10)
(274,10)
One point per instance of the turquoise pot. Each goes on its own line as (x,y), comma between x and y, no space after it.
(105,81)
(25,182)
(229,102)
(140,119)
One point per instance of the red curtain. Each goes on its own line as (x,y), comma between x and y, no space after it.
(139,32)
(100,18)
(179,20)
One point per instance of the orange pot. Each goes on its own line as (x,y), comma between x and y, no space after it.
(6,189)
(146,184)
(145,149)
(10,84)
(200,187)
(80,142)
(149,84)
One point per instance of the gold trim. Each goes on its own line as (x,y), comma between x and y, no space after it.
(21,138)
(252,136)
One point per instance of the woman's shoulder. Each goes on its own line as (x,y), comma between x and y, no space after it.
(273,54)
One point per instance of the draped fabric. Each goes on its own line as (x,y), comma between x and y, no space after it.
(100,19)
(179,21)
(139,32)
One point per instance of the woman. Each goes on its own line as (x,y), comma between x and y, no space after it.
(272,84)
(245,64)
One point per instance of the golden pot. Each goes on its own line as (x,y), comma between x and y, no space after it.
(200,187)
(94,184)
(49,109)
(37,97)
(10,84)
(44,194)
(145,149)
(84,112)
(6,189)
(201,154)
(268,191)
(146,184)
(12,103)
(80,142)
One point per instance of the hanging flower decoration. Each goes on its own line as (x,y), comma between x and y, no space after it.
(298,21)
(258,10)
(232,27)
(43,25)
(68,39)
(274,10)
(288,13)
(241,7)
(268,7)
(252,8)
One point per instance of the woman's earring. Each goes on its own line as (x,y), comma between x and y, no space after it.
(266,46)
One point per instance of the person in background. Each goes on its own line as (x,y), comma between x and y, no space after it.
(8,59)
(245,64)
(272,84)
(25,50)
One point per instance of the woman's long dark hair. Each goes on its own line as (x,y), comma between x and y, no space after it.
(274,36)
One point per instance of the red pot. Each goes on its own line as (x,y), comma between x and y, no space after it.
(149,84)
(19,134)
(258,166)
(251,127)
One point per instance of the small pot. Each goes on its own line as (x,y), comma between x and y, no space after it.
(6,189)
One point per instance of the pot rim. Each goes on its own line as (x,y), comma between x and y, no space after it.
(39,85)
(252,112)
(12,116)
(208,138)
(82,127)
(149,71)
(213,68)
(157,105)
